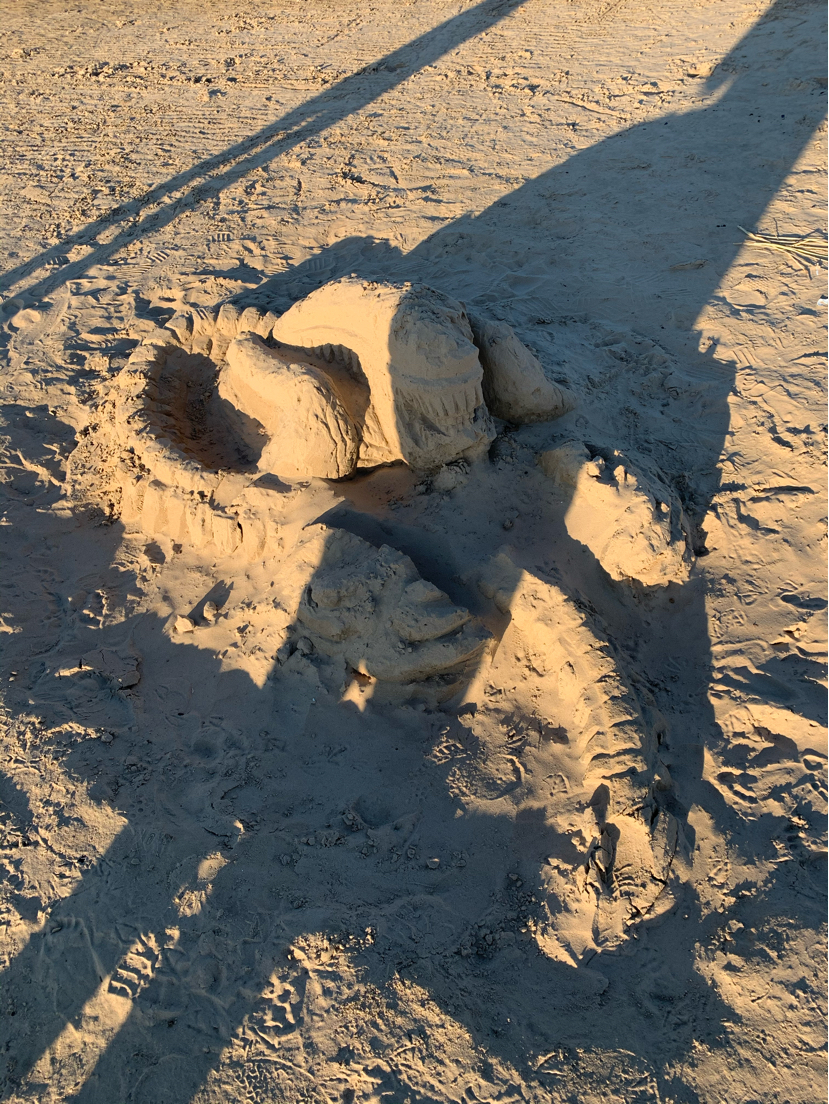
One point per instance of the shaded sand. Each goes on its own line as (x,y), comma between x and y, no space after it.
(499,774)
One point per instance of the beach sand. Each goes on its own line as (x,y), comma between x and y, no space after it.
(271,832)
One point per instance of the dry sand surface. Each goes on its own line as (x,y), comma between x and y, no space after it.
(493,769)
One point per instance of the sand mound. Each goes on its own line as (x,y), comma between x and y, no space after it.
(633,523)
(413,348)
(515,386)
(371,608)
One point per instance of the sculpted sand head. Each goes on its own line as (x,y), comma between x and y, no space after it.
(412,348)
(633,523)
(309,432)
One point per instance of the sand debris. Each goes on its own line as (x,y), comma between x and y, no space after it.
(807,249)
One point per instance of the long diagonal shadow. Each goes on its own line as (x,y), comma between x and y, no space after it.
(212,175)
(203,987)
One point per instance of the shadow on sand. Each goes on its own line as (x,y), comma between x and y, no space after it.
(208,969)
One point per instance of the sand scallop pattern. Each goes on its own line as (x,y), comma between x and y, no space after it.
(166,487)
(185,462)
(370,608)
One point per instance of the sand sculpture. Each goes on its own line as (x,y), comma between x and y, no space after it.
(355,375)
(632,522)
(370,608)
(360,374)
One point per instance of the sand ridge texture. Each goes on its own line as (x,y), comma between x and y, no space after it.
(493,772)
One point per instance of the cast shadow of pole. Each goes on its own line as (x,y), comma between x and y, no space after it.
(210,981)
(210,177)
(540,258)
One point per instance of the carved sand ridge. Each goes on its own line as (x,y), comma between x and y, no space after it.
(371,608)
(567,680)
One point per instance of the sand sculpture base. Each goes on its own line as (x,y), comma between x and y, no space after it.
(219,414)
